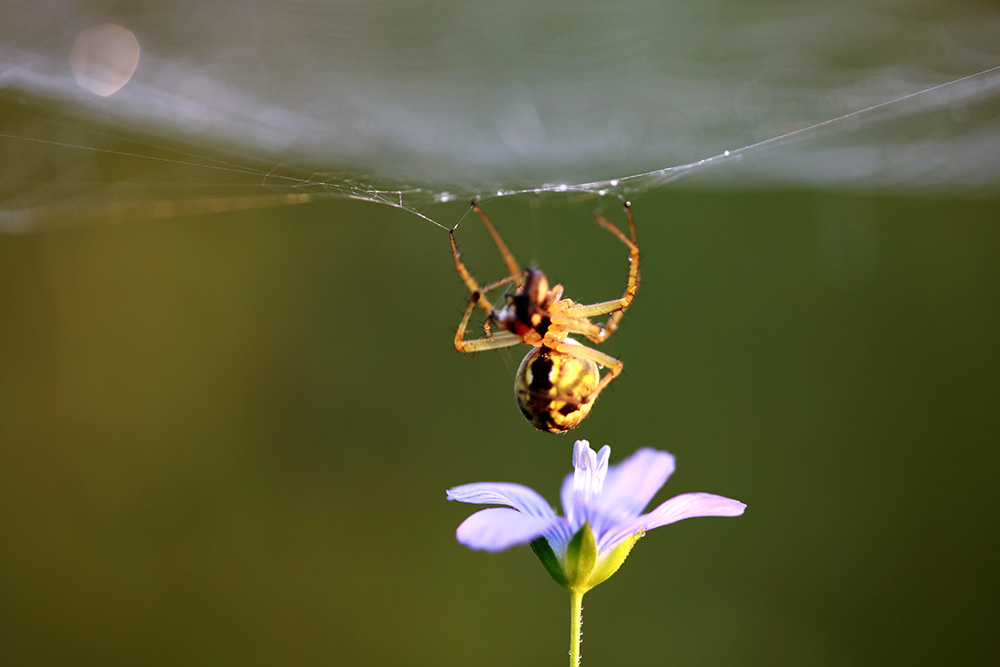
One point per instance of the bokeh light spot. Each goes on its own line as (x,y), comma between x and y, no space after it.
(103,58)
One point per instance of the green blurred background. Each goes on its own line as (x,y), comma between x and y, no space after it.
(226,439)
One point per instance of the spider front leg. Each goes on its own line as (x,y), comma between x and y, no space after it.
(508,256)
(617,307)
(491,341)
(513,268)
(466,277)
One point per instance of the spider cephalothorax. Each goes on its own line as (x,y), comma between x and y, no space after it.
(527,309)
(559,380)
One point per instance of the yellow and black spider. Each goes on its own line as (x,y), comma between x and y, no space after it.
(559,380)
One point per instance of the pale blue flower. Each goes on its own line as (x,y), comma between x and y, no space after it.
(603,519)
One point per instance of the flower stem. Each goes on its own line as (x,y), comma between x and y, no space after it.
(575,627)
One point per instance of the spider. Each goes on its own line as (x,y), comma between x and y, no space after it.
(559,379)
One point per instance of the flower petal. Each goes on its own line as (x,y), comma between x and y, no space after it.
(500,528)
(684,506)
(517,496)
(582,487)
(631,484)
(690,505)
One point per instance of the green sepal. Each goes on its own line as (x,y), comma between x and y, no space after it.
(610,563)
(550,561)
(582,571)
(581,557)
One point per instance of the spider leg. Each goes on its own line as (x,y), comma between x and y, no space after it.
(495,342)
(576,324)
(466,277)
(600,358)
(617,307)
(594,309)
(478,297)
(508,257)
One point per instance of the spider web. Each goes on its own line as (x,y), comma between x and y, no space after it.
(244,105)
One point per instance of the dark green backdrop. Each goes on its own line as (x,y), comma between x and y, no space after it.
(226,439)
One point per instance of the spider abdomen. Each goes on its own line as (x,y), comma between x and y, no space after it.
(555,390)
